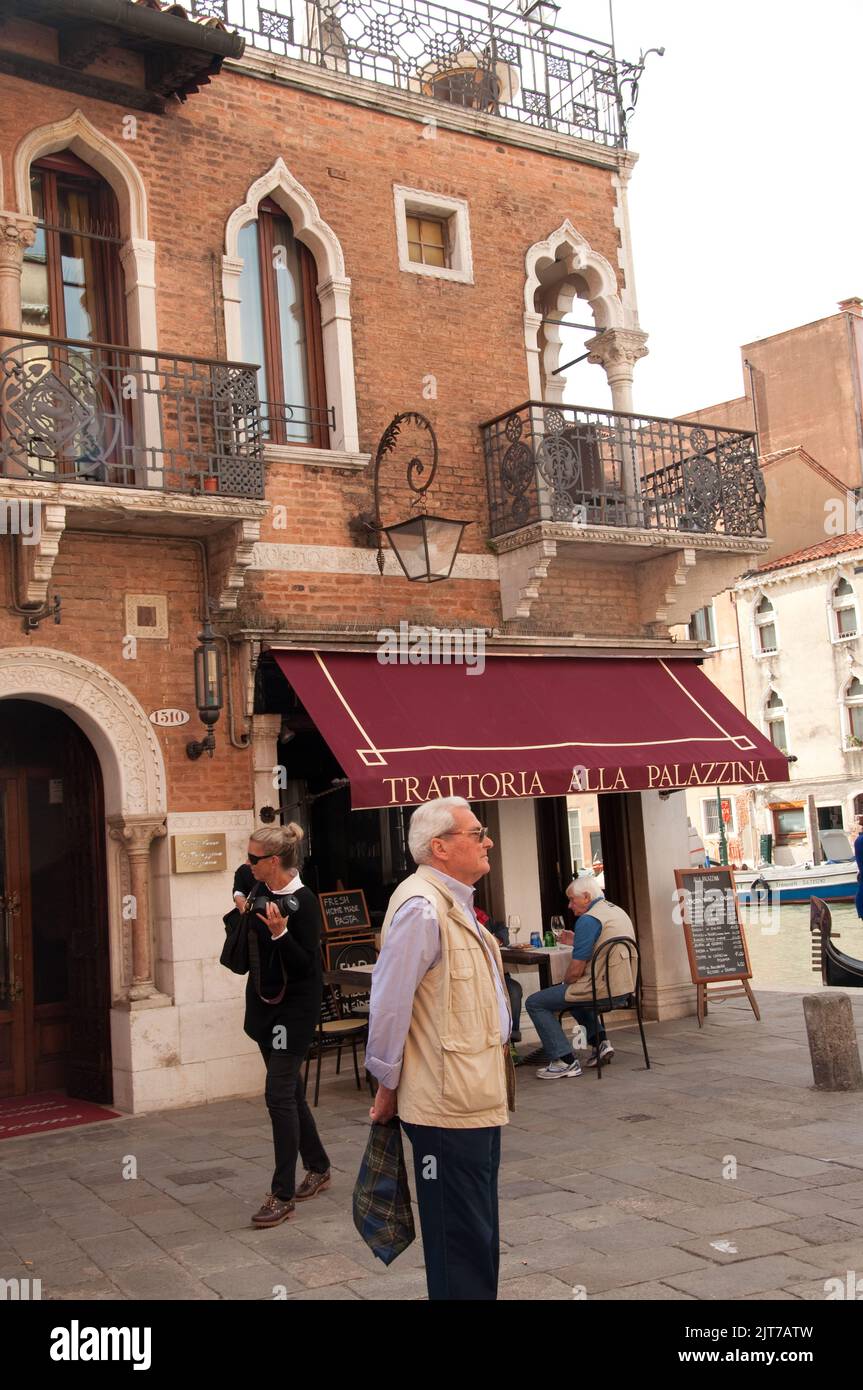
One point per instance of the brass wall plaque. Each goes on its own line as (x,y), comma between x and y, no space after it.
(198,854)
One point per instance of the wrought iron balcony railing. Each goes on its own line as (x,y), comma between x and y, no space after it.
(479,56)
(74,411)
(597,468)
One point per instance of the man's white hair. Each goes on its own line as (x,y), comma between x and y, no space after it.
(431,819)
(586,883)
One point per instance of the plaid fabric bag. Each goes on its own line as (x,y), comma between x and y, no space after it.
(382,1199)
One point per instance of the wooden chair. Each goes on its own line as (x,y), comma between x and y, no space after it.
(601,1000)
(334,1031)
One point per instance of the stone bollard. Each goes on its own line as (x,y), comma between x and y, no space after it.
(832,1042)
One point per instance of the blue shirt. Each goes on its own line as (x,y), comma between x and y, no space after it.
(586,934)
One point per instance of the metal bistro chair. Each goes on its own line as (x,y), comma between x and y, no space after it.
(602,1002)
(334,1030)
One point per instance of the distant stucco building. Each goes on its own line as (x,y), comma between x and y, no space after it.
(783,643)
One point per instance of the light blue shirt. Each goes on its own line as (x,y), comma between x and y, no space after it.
(411,949)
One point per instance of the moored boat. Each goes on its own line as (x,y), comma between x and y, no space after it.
(797,883)
(834,881)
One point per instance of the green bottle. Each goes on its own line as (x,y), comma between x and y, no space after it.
(548,938)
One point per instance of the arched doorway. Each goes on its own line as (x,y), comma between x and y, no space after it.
(54,953)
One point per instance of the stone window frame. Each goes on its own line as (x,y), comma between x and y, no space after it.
(776,714)
(454,212)
(334,295)
(836,637)
(761,621)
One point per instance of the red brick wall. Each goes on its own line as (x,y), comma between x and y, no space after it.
(197,162)
(92,575)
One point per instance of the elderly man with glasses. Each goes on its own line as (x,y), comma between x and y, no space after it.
(438,1044)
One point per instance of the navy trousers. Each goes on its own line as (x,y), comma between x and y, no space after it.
(456,1181)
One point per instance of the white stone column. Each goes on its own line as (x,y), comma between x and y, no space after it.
(265,756)
(660,844)
(517,851)
(17,234)
(617,350)
(136,834)
(335,300)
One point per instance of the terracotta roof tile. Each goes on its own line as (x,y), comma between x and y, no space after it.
(835,545)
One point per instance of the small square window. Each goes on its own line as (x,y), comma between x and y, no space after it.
(433,234)
(427,240)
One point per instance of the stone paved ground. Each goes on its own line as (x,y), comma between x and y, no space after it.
(617,1186)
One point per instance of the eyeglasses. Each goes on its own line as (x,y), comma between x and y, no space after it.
(256,858)
(479,834)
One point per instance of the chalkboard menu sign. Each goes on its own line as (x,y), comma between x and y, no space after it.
(345,913)
(707,909)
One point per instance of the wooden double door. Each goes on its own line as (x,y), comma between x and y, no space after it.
(54,966)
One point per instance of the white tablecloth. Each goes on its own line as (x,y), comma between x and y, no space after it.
(560,958)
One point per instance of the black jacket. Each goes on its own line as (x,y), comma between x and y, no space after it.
(295,962)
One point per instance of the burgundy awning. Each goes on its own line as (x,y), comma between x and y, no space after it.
(527,726)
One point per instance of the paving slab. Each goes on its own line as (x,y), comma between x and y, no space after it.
(121,1249)
(734,1281)
(613,1186)
(745,1245)
(650,1291)
(534,1288)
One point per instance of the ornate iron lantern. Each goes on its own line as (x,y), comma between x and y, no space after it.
(542,13)
(208,690)
(425,546)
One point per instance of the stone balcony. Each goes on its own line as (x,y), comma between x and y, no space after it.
(568,484)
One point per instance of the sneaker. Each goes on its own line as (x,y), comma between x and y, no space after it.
(558,1069)
(515,1035)
(606,1052)
(312,1184)
(273,1212)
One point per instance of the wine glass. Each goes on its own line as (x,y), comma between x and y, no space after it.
(557,926)
(513,924)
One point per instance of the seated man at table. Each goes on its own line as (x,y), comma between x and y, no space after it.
(597,921)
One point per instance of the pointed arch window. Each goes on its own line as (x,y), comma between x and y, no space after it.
(766,635)
(854,713)
(72,281)
(774,715)
(281,329)
(843,607)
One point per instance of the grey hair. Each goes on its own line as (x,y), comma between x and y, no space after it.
(586,883)
(432,819)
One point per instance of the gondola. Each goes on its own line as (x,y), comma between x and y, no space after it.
(836,967)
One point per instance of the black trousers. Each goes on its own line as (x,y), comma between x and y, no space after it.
(456,1180)
(294,1129)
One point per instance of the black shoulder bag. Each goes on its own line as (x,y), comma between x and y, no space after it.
(235,952)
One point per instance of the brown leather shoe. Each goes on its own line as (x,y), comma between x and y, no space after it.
(312,1184)
(273,1212)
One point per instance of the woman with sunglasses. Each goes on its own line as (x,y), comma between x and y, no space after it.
(283,1002)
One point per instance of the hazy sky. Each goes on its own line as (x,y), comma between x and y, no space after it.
(746,203)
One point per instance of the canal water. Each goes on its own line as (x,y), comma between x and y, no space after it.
(780,950)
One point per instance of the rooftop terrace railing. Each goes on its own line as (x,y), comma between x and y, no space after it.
(477,56)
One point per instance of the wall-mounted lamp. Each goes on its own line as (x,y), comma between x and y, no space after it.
(425,546)
(208,690)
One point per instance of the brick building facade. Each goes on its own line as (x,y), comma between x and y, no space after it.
(165,493)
